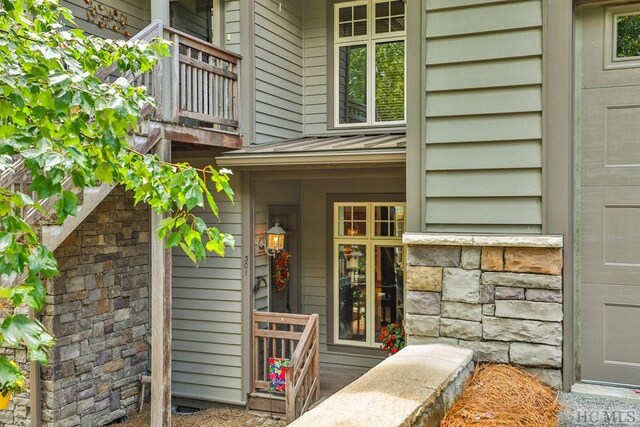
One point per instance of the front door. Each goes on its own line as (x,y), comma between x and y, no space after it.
(284,299)
(609,135)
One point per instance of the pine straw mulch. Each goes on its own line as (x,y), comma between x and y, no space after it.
(213,417)
(503,395)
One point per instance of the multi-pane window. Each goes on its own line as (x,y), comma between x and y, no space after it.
(627,35)
(368,270)
(370,62)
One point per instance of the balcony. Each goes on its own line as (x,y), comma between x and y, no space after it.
(203,90)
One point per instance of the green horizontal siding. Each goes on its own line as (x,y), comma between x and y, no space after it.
(232,25)
(278,64)
(193,22)
(315,67)
(137,12)
(483,116)
(207,317)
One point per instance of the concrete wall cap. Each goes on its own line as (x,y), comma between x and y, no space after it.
(395,392)
(505,240)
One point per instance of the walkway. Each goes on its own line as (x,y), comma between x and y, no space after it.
(333,379)
(610,407)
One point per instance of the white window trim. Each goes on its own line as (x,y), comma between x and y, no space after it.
(611,61)
(370,40)
(370,241)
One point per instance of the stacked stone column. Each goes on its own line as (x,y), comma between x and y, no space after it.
(98,309)
(500,296)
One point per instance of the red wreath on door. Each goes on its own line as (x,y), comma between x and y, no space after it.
(281,270)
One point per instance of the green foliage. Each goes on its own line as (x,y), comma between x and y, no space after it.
(628,41)
(390,81)
(71,130)
(12,379)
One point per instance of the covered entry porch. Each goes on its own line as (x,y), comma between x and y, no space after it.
(299,184)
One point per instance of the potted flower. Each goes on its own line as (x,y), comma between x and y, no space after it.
(14,381)
(392,338)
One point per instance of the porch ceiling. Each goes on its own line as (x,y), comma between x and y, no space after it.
(321,150)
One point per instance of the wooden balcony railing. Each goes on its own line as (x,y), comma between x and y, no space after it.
(295,337)
(204,80)
(205,92)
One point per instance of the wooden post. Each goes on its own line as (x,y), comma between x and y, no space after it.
(35,387)
(161,265)
(160,316)
(316,356)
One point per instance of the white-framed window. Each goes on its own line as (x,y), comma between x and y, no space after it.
(622,37)
(627,36)
(368,257)
(369,63)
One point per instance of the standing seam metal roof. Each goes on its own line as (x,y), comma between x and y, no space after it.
(326,144)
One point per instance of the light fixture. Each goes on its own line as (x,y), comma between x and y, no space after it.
(274,241)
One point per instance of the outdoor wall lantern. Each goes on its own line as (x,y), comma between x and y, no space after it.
(274,241)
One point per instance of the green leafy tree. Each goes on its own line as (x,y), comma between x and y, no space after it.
(64,123)
(628,42)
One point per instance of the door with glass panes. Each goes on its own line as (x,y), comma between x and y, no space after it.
(368,269)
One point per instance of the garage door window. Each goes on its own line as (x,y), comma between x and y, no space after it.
(622,37)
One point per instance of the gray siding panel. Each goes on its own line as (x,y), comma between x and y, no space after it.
(193,22)
(138,15)
(484,116)
(483,18)
(232,25)
(315,67)
(207,317)
(279,73)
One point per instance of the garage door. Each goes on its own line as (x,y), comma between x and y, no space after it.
(609,132)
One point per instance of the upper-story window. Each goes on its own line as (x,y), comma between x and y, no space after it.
(369,62)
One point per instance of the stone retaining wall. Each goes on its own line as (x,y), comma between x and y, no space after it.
(498,295)
(98,309)
(414,387)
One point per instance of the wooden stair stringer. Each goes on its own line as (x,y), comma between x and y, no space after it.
(54,235)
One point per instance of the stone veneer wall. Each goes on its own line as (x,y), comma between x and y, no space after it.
(98,309)
(498,295)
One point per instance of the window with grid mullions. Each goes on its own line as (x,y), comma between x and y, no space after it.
(369,63)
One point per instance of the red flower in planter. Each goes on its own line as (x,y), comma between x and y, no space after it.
(392,338)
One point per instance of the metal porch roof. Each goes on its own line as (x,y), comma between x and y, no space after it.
(319,150)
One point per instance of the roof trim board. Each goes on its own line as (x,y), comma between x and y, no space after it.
(335,150)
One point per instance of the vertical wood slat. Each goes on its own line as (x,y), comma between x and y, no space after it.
(216,95)
(183,87)
(316,363)
(226,98)
(199,85)
(235,97)
(265,375)
(177,79)
(273,349)
(256,351)
(208,79)
(281,336)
